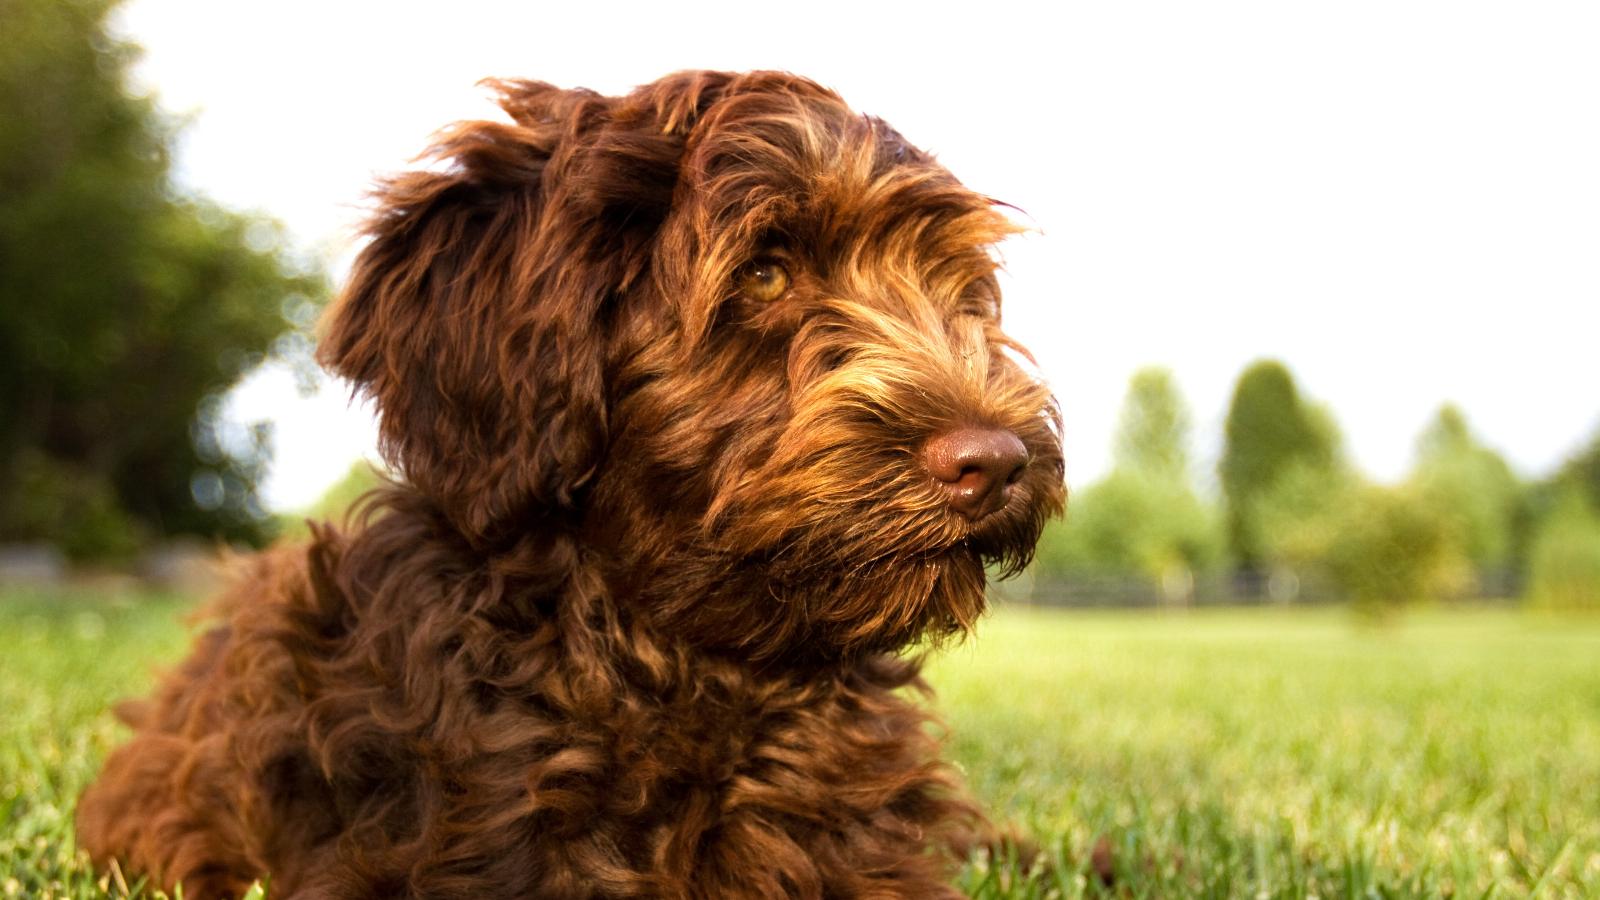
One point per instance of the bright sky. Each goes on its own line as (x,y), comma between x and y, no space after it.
(1399,199)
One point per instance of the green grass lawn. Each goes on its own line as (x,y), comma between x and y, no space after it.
(1290,753)
(1272,753)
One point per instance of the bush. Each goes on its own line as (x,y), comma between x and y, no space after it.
(1392,548)
(72,509)
(1381,547)
(1565,566)
(1129,523)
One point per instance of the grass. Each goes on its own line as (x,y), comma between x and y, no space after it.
(1267,753)
(1289,753)
(67,658)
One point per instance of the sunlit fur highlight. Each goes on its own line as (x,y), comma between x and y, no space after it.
(627,624)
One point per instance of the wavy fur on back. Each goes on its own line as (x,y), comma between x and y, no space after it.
(627,625)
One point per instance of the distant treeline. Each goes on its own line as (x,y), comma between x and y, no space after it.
(1295,520)
(128,307)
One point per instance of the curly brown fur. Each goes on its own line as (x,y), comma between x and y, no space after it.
(627,625)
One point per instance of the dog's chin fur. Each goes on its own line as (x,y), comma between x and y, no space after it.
(782,612)
(628,623)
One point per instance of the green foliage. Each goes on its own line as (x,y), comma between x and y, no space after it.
(1153,430)
(1380,547)
(1582,472)
(1565,568)
(1269,430)
(1300,515)
(1132,523)
(125,308)
(1144,517)
(80,516)
(1390,549)
(1471,487)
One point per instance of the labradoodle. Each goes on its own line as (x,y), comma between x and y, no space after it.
(702,415)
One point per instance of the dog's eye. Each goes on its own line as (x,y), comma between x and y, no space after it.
(764,280)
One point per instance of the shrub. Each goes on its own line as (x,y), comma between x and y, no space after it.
(1565,566)
(1381,547)
(1134,524)
(72,509)
(1392,548)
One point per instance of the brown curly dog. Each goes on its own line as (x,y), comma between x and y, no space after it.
(702,413)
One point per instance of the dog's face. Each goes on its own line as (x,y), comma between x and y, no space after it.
(735,339)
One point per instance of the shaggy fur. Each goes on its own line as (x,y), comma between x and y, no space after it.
(627,626)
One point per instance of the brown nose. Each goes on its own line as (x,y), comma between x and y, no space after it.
(976,467)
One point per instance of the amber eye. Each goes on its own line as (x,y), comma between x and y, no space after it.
(764,280)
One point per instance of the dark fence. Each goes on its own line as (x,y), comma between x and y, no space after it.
(1122,590)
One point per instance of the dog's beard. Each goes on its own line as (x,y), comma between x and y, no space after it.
(857,552)
(778,608)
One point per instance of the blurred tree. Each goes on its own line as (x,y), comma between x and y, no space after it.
(1565,566)
(1582,472)
(126,308)
(1152,434)
(1299,517)
(1389,547)
(1471,487)
(1129,523)
(1380,547)
(1550,520)
(1144,517)
(1269,429)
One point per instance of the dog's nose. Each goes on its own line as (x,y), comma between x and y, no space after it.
(976,467)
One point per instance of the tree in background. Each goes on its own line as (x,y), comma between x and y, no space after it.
(1152,436)
(1380,546)
(1269,432)
(1564,570)
(1560,530)
(126,308)
(1143,517)
(1472,489)
(1125,523)
(1582,473)
(1298,510)
(1297,520)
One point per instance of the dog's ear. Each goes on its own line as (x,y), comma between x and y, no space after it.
(476,315)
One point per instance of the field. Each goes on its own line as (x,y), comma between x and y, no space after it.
(1268,753)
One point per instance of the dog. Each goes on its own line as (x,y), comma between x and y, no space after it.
(702,417)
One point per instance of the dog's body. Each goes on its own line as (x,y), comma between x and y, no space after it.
(702,411)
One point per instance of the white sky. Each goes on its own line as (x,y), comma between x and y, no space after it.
(1399,199)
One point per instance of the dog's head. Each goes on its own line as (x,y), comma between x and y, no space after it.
(732,338)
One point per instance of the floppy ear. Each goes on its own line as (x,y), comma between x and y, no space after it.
(476,314)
